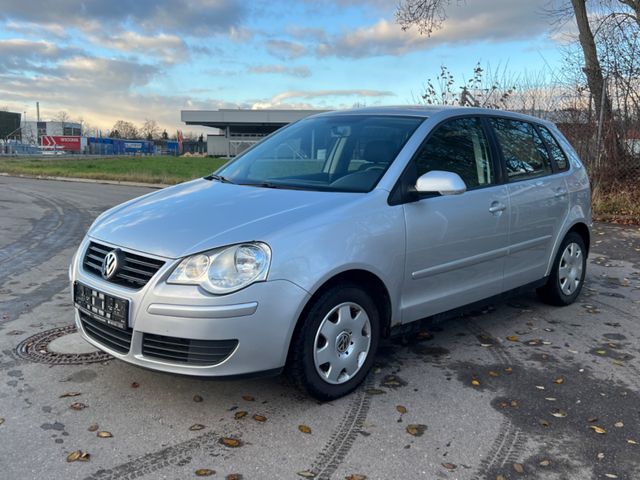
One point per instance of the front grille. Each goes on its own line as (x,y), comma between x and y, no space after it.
(111,337)
(185,350)
(134,272)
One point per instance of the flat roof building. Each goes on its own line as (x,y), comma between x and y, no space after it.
(239,129)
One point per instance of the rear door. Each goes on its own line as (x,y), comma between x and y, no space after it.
(457,244)
(537,196)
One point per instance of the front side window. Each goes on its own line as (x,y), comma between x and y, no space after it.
(556,151)
(347,153)
(523,150)
(459,146)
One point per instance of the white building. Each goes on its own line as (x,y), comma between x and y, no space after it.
(33,130)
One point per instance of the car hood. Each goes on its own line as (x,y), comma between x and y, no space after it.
(201,215)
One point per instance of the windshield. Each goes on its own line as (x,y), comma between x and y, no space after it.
(344,153)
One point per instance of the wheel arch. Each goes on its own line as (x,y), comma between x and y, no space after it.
(369,281)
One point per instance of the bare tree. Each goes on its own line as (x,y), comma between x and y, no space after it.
(150,129)
(62,117)
(124,129)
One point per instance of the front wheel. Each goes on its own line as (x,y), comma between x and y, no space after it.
(335,346)
(567,275)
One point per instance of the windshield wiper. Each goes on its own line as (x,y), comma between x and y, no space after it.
(264,185)
(219,178)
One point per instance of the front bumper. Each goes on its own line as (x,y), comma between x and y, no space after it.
(261,318)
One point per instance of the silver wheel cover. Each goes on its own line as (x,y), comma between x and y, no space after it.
(570,269)
(342,343)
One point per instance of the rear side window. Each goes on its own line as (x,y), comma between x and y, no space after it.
(524,151)
(556,152)
(458,146)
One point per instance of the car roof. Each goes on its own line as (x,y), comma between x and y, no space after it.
(426,111)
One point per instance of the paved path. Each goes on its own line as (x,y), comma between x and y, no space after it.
(490,406)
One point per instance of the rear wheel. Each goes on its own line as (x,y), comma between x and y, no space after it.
(567,274)
(335,346)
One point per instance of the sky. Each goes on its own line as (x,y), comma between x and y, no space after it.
(102,61)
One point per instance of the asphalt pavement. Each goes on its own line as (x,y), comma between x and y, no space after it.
(517,390)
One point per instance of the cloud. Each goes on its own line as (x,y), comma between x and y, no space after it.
(18,55)
(167,48)
(302,72)
(281,100)
(284,49)
(193,17)
(472,21)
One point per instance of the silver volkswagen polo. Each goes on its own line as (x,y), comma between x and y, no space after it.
(336,231)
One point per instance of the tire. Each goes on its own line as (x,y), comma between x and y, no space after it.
(567,273)
(342,326)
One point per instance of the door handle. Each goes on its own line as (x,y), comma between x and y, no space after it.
(560,192)
(497,207)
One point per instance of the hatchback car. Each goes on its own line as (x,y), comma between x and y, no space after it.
(333,232)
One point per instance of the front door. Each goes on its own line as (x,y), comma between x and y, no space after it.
(456,245)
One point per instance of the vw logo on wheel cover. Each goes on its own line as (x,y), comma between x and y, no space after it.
(110,264)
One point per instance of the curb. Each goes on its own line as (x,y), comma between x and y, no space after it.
(86,180)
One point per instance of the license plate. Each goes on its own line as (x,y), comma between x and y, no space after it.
(105,308)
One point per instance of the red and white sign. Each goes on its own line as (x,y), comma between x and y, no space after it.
(69,143)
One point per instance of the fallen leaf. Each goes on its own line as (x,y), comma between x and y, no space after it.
(197,398)
(93,427)
(610,475)
(508,370)
(501,477)
(233,476)
(545,463)
(104,434)
(230,442)
(1,420)
(417,430)
(543,422)
(77,406)
(518,467)
(632,442)
(597,429)
(304,429)
(450,466)
(551,399)
(493,374)
(600,456)
(559,381)
(374,391)
(260,418)
(475,382)
(355,476)
(601,352)
(540,387)
(618,425)
(306,474)
(559,413)
(514,403)
(196,426)
(592,419)
(240,414)
(512,338)
(70,394)
(402,410)
(78,456)
(248,398)
(204,472)
(135,384)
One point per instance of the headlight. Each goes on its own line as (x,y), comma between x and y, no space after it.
(225,270)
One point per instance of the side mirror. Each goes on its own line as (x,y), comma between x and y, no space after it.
(438,181)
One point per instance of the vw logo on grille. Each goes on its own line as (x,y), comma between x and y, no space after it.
(110,264)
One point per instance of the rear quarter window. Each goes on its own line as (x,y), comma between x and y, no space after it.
(557,154)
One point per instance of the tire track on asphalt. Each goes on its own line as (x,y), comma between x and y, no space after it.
(508,445)
(336,449)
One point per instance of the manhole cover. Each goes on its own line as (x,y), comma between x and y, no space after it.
(36,349)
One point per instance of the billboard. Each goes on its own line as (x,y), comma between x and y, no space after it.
(67,143)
